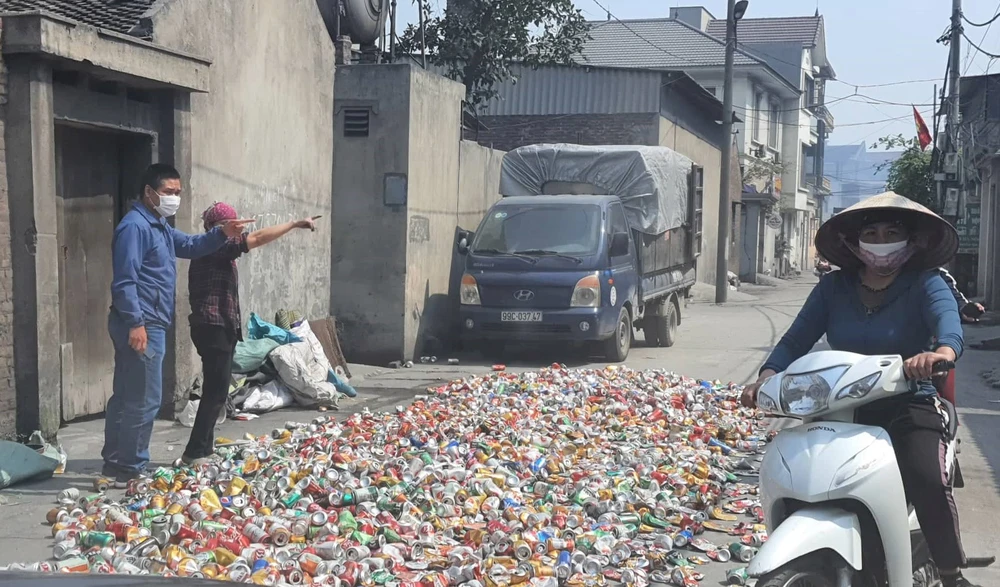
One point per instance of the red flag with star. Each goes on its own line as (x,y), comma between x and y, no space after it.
(923,134)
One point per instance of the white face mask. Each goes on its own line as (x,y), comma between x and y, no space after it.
(882,250)
(169,204)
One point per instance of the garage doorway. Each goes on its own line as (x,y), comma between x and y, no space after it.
(97,172)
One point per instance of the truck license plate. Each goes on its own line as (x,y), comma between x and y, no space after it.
(520,316)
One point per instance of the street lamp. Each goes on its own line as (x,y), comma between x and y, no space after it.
(736,10)
(740,9)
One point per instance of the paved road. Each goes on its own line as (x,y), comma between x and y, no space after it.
(718,342)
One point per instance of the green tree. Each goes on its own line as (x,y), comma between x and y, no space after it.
(477,41)
(910,175)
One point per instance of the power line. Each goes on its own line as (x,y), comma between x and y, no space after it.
(752,51)
(987,23)
(899,83)
(871,100)
(651,43)
(978,48)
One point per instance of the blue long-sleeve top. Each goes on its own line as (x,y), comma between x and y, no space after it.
(918,313)
(144,253)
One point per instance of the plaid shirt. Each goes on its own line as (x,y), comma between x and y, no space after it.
(213,283)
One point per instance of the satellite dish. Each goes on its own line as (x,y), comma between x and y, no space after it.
(362,20)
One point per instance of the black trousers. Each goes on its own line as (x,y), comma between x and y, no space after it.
(215,345)
(919,438)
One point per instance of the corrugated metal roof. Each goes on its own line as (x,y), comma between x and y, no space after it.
(115,15)
(655,43)
(577,90)
(791,29)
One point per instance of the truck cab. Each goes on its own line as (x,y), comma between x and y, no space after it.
(587,243)
(551,268)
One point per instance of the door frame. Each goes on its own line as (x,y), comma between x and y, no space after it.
(32,111)
(133,152)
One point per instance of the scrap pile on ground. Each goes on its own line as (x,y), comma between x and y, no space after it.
(543,478)
(291,362)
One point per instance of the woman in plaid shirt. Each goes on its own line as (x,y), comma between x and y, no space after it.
(213,285)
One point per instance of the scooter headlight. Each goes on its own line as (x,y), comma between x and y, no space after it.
(861,388)
(807,394)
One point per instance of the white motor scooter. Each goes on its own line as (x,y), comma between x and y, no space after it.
(831,489)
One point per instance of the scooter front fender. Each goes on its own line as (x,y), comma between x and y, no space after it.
(806,531)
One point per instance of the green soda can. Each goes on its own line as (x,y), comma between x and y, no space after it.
(98,539)
(742,552)
(737,576)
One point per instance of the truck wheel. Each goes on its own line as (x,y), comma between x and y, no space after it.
(617,347)
(666,325)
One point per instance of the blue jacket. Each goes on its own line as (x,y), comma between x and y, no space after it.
(144,258)
(918,313)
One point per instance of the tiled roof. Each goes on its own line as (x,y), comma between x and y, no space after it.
(792,29)
(655,44)
(115,15)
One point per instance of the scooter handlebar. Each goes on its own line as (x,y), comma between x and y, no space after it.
(942,367)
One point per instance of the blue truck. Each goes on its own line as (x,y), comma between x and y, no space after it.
(587,244)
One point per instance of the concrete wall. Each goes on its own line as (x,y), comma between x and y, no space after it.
(432,207)
(8,393)
(394,270)
(369,238)
(710,158)
(261,139)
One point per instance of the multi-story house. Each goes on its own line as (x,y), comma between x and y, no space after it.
(780,105)
(796,48)
(978,222)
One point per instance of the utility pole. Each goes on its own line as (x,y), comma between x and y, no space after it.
(392,32)
(423,41)
(722,247)
(954,140)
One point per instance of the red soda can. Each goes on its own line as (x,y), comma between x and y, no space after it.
(352,571)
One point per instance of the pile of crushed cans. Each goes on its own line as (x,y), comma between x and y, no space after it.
(556,477)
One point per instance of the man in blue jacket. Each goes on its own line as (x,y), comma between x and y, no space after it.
(144,257)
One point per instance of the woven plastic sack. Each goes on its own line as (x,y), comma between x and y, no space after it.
(304,375)
(251,354)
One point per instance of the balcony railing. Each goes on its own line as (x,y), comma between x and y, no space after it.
(823,114)
(821,187)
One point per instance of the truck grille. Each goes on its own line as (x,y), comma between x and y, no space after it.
(544,298)
(527,328)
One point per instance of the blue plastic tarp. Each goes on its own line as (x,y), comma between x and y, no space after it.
(257,328)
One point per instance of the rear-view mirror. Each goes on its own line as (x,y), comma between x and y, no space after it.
(463,240)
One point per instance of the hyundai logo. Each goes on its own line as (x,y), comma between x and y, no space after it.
(524,295)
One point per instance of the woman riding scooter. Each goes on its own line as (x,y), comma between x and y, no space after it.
(889,298)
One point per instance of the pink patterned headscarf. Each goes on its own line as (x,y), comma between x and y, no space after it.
(218,212)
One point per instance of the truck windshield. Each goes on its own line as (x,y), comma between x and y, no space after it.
(557,230)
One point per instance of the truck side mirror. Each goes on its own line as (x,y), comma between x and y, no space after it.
(619,244)
(463,240)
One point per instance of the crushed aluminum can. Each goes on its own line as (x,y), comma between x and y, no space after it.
(536,477)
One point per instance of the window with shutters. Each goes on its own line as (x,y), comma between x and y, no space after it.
(696,200)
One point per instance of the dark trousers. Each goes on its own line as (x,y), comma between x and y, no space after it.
(919,438)
(215,345)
